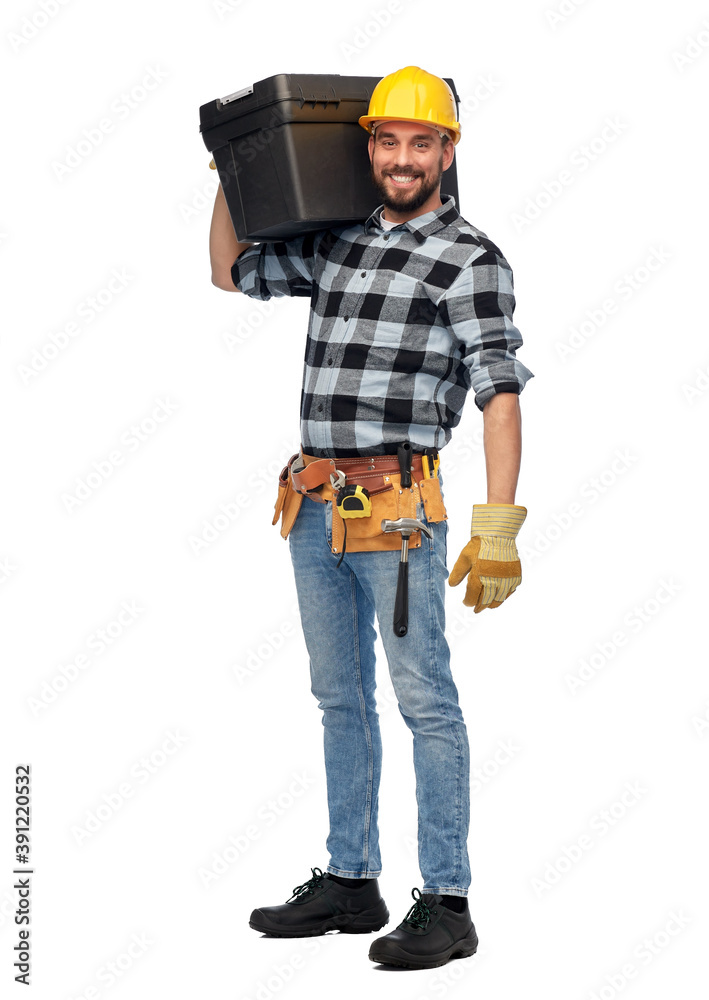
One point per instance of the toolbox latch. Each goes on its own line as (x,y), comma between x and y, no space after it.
(237,95)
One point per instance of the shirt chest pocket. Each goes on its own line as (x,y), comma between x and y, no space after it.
(406,302)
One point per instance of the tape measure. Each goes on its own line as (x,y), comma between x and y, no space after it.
(430,462)
(353,501)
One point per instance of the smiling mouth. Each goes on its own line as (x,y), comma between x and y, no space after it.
(403,180)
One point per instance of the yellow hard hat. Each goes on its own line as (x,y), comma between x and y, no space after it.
(413,95)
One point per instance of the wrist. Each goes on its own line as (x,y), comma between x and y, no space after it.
(501,519)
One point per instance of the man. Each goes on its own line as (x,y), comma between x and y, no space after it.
(409,310)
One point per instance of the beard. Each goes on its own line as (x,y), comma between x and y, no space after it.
(402,201)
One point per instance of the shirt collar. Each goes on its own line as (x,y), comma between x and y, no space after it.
(423,225)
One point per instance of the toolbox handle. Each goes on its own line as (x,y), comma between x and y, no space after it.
(314,100)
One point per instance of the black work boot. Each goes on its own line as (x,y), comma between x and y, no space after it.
(429,935)
(321,905)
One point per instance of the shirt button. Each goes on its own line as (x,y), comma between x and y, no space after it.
(347,319)
(320,408)
(329,361)
(386,237)
(363,274)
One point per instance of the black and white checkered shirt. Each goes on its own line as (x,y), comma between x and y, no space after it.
(402,324)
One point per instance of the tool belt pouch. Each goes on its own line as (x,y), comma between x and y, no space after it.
(288,500)
(432,498)
(364,534)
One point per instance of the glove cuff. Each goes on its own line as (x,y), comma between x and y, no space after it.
(501,519)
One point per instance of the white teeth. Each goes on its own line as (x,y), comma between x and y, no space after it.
(401,179)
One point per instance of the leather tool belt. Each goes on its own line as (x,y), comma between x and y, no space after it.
(306,476)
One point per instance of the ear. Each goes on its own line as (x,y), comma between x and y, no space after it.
(370,147)
(448,154)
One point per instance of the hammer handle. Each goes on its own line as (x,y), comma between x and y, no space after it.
(401,603)
(405,455)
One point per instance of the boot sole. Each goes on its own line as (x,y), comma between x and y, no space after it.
(461,949)
(346,923)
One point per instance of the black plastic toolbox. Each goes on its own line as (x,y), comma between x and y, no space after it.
(292,156)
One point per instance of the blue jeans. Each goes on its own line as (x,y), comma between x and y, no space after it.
(337,609)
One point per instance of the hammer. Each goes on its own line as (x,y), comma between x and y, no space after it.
(406,525)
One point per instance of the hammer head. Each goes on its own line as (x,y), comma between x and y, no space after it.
(406,525)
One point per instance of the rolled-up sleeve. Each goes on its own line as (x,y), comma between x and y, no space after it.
(268,269)
(478,308)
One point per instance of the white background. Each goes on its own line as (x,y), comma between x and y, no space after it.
(205,680)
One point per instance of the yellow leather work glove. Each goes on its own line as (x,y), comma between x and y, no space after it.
(491,556)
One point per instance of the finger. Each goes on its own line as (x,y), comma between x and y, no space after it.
(493,593)
(508,587)
(472,591)
(496,592)
(490,590)
(482,604)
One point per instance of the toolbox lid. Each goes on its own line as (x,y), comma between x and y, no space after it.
(287,97)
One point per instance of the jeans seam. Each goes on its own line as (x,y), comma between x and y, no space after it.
(458,806)
(365,723)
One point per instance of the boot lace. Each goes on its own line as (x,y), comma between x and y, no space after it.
(420,913)
(310,886)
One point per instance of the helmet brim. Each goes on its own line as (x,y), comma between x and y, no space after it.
(366,121)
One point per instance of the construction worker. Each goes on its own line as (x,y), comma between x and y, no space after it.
(409,310)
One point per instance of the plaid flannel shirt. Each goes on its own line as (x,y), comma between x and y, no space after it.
(402,324)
